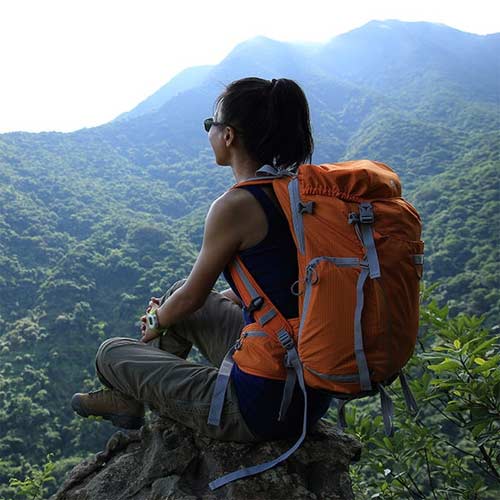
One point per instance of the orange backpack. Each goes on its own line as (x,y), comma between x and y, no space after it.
(360,259)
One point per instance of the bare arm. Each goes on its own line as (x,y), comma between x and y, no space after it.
(222,239)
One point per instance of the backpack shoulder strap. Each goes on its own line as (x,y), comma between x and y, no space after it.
(256,301)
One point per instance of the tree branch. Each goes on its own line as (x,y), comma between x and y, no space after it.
(487,459)
(429,473)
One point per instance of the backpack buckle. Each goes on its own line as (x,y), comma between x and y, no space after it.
(306,208)
(255,304)
(286,340)
(366,215)
(353,218)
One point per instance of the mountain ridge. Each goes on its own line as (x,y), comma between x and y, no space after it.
(315,50)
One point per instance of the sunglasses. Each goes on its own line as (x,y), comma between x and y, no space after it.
(208,122)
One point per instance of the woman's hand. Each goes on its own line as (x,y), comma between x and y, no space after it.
(146,333)
(154,303)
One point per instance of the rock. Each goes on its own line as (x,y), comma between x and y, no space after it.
(166,461)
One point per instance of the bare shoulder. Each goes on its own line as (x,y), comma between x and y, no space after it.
(237,196)
(233,203)
(237,212)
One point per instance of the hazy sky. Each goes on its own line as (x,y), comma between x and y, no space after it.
(68,64)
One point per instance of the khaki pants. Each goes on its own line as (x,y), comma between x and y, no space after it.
(158,373)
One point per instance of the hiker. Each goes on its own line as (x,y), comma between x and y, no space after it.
(256,122)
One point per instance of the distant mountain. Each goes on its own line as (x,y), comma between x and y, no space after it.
(394,56)
(403,62)
(95,221)
(185,80)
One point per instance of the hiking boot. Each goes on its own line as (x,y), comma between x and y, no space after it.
(110,405)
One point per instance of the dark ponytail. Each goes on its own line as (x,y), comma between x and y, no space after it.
(271,118)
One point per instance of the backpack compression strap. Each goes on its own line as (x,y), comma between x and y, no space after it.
(386,404)
(221,383)
(370,266)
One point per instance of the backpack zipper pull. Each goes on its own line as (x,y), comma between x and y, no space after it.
(239,342)
(311,274)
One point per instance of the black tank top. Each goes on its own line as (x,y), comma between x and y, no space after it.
(273,261)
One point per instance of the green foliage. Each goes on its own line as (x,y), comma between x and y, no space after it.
(451,448)
(459,209)
(33,487)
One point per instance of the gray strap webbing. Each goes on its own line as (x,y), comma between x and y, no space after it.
(364,374)
(268,316)
(338,261)
(269,170)
(366,219)
(371,251)
(307,300)
(341,421)
(291,379)
(249,287)
(411,404)
(387,411)
(295,205)
(221,383)
(334,378)
(294,360)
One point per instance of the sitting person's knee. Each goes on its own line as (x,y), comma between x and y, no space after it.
(105,350)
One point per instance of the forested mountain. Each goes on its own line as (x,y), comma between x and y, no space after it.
(94,222)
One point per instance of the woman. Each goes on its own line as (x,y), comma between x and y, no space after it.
(256,122)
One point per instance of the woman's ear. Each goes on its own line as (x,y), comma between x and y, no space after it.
(229,136)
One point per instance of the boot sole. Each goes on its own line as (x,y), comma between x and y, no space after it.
(118,420)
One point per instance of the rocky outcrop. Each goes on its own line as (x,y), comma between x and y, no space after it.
(164,460)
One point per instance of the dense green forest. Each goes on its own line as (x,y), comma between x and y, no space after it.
(94,222)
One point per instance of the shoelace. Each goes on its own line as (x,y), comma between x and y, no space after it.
(96,391)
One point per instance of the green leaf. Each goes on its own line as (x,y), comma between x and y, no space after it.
(485,365)
(457,344)
(454,406)
(439,348)
(484,345)
(387,443)
(477,429)
(446,365)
